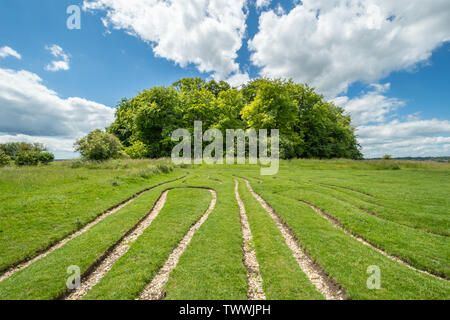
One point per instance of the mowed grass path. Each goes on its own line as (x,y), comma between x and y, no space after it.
(212,267)
(282,277)
(133,271)
(423,250)
(346,260)
(361,195)
(40,206)
(46,278)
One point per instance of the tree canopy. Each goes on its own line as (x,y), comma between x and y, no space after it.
(99,145)
(309,126)
(25,154)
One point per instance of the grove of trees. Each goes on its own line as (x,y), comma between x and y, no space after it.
(309,126)
(24,154)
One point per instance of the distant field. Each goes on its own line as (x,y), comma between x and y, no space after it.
(313,230)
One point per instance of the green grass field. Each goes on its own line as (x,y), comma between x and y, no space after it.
(390,214)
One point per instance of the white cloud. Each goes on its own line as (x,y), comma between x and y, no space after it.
(31,109)
(398,130)
(57,65)
(380,133)
(7,51)
(262,3)
(331,44)
(238,79)
(371,107)
(202,32)
(407,138)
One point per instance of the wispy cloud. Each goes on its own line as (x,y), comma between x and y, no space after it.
(7,51)
(380,131)
(63,62)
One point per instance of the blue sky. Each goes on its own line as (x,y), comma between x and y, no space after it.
(387,66)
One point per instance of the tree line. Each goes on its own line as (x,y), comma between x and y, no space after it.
(24,154)
(309,126)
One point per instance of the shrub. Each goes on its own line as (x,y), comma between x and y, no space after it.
(76,164)
(387,157)
(46,157)
(100,146)
(27,158)
(12,149)
(4,159)
(164,168)
(146,173)
(138,150)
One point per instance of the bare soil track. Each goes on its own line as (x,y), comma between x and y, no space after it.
(155,289)
(324,284)
(117,251)
(254,279)
(39,255)
(336,223)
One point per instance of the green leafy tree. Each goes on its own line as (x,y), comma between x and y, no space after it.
(157,116)
(217,87)
(189,84)
(4,159)
(12,149)
(137,150)
(310,127)
(325,130)
(99,145)
(27,158)
(272,107)
(229,106)
(45,157)
(124,125)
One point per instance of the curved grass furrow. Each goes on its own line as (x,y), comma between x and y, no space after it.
(254,279)
(282,275)
(41,254)
(211,267)
(108,260)
(41,206)
(147,255)
(338,225)
(421,250)
(154,290)
(46,279)
(323,283)
(347,260)
(412,220)
(350,189)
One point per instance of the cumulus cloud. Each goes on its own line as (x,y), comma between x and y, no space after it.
(31,109)
(370,107)
(7,51)
(262,3)
(331,44)
(380,132)
(407,138)
(238,79)
(63,62)
(202,32)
